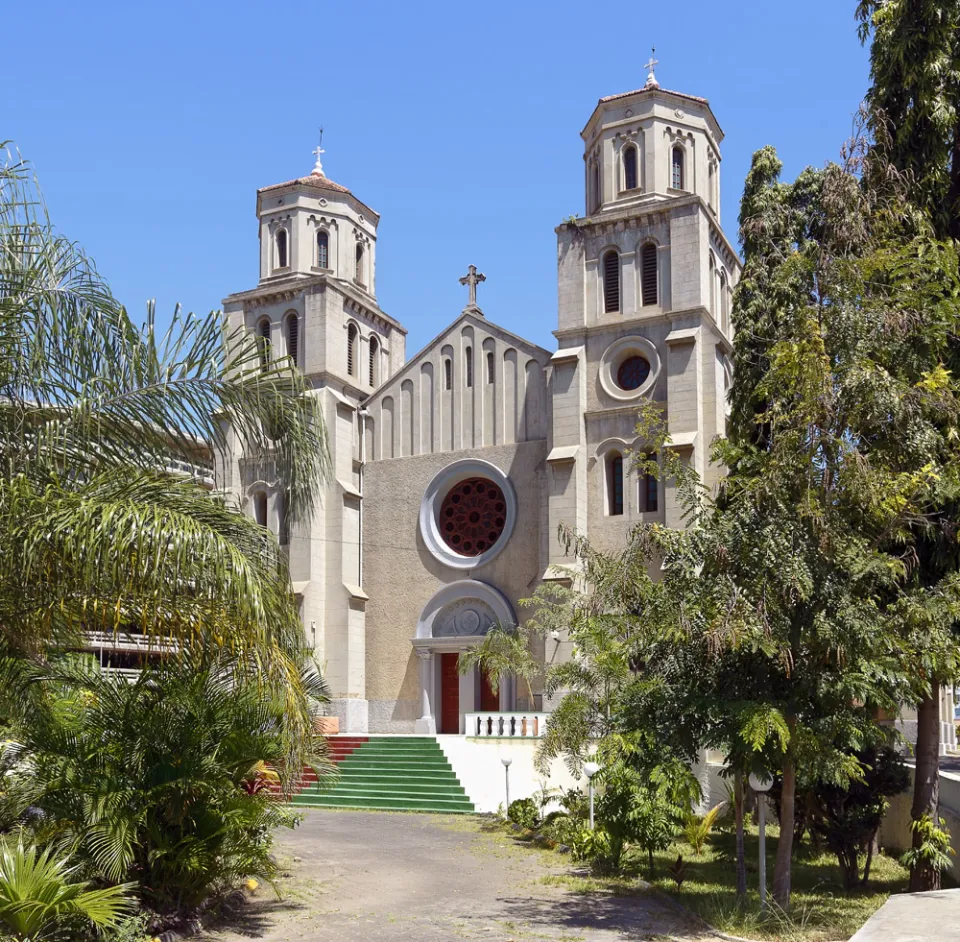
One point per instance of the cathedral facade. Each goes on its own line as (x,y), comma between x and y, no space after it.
(452,470)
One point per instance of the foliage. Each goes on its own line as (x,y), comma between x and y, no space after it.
(39,893)
(931,846)
(697,828)
(149,781)
(525,813)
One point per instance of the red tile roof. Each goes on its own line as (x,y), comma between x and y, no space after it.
(656,88)
(314,180)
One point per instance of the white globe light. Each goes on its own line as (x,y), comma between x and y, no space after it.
(591,768)
(506,762)
(760,783)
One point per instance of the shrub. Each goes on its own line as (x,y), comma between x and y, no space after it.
(525,813)
(561,827)
(697,829)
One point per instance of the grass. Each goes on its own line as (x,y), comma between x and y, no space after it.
(821,911)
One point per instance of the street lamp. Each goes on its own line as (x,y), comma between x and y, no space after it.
(591,769)
(506,772)
(761,784)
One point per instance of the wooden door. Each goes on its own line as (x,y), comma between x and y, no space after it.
(489,701)
(449,694)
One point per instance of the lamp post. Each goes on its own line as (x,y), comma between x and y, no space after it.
(761,784)
(506,772)
(591,769)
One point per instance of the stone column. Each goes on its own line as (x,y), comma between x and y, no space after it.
(427,722)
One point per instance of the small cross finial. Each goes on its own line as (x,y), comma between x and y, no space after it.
(654,61)
(319,152)
(472,278)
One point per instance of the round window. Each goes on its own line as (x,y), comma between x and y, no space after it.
(633,373)
(472,516)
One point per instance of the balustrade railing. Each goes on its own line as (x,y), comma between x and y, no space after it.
(506,725)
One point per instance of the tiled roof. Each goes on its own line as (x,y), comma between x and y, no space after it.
(314,180)
(656,88)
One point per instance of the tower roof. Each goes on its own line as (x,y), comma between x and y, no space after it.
(655,91)
(317,180)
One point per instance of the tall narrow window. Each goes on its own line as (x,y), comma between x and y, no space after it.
(447,373)
(724,301)
(352,350)
(323,249)
(263,342)
(491,370)
(468,365)
(629,167)
(283,537)
(374,360)
(650,492)
(293,338)
(611,282)
(281,248)
(596,188)
(711,185)
(359,272)
(676,171)
(260,508)
(648,274)
(615,485)
(713,287)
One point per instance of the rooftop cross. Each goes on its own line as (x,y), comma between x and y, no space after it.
(651,78)
(472,278)
(319,152)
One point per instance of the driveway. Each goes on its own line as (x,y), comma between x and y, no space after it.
(359,876)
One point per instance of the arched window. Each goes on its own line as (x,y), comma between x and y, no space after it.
(323,249)
(676,169)
(352,349)
(724,302)
(649,489)
(468,365)
(713,286)
(615,484)
(263,341)
(491,369)
(629,167)
(293,338)
(359,271)
(281,248)
(648,274)
(711,185)
(596,187)
(447,373)
(611,282)
(374,360)
(260,508)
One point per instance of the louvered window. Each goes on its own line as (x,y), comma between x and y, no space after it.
(281,248)
(323,249)
(648,274)
(374,358)
(629,167)
(447,373)
(651,495)
(359,271)
(615,485)
(468,364)
(611,282)
(263,342)
(351,349)
(491,372)
(676,180)
(293,338)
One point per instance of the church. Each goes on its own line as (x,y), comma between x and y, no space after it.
(453,468)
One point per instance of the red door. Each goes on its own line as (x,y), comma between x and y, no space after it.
(449,694)
(489,701)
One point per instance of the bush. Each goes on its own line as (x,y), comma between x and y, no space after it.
(697,829)
(525,813)
(561,827)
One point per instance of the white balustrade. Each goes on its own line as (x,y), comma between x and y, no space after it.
(498,725)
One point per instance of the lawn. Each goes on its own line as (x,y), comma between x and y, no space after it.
(820,912)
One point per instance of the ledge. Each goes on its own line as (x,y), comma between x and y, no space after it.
(300,587)
(683,441)
(676,337)
(349,489)
(563,454)
(355,592)
(565,354)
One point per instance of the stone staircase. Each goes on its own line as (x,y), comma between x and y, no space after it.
(392,773)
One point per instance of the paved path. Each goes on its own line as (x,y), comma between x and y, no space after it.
(375,876)
(915,917)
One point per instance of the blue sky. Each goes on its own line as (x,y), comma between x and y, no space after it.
(151,126)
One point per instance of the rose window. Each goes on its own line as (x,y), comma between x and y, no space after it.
(633,373)
(472,516)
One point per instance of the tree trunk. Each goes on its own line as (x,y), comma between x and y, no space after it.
(741,856)
(781,870)
(650,864)
(871,848)
(926,790)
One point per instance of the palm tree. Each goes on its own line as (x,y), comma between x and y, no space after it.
(96,531)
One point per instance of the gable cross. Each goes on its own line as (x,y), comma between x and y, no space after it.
(472,278)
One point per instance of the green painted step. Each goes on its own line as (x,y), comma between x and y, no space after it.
(403,774)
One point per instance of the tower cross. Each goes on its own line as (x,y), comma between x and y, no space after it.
(318,152)
(472,278)
(654,61)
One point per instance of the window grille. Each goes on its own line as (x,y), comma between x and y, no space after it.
(677,169)
(648,274)
(263,342)
(351,349)
(281,248)
(615,485)
(651,492)
(323,249)
(611,282)
(630,167)
(374,356)
(293,338)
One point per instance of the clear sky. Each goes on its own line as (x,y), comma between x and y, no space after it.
(151,125)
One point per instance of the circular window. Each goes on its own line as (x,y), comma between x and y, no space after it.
(467,513)
(472,516)
(633,373)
